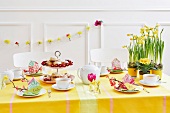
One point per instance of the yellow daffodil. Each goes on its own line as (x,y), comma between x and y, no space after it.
(5,78)
(88,28)
(58,39)
(155,32)
(146,27)
(129,34)
(39,42)
(147,30)
(142,30)
(27,42)
(7,41)
(157,25)
(151,28)
(124,46)
(49,41)
(79,33)
(140,42)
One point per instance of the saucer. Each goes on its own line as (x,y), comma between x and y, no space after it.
(71,86)
(48,82)
(103,74)
(18,78)
(146,84)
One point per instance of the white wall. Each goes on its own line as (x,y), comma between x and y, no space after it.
(22,20)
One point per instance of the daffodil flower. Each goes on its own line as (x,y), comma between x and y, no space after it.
(5,78)
(7,41)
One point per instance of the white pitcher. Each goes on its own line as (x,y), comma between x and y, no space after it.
(10,75)
(88,69)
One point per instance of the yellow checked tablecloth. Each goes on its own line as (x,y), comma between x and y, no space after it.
(79,100)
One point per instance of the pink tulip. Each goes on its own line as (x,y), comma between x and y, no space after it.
(91,77)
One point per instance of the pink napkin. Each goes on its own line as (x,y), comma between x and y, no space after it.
(128,79)
(116,64)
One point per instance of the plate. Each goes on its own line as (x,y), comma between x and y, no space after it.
(155,84)
(48,82)
(42,92)
(137,89)
(71,86)
(103,74)
(112,71)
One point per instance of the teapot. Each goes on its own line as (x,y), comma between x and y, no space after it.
(88,69)
(10,75)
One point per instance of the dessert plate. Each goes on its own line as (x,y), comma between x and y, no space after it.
(71,86)
(42,92)
(137,89)
(18,78)
(48,82)
(154,84)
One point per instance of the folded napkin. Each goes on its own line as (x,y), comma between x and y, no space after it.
(33,88)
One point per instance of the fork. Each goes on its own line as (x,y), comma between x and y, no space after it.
(49,93)
(146,90)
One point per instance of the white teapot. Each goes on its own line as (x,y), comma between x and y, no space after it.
(10,75)
(88,69)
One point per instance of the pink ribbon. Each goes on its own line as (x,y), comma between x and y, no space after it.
(67,103)
(111,98)
(164,104)
(12,98)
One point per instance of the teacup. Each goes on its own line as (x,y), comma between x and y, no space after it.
(103,70)
(17,73)
(150,78)
(63,83)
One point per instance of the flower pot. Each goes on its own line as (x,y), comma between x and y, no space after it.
(141,74)
(157,72)
(132,72)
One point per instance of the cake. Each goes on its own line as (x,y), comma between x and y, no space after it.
(54,62)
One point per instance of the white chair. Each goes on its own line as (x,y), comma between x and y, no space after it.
(106,55)
(23,59)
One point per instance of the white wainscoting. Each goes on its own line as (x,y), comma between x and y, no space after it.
(42,22)
(15,32)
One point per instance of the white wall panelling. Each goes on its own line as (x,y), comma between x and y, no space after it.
(123,39)
(77,49)
(53,19)
(15,32)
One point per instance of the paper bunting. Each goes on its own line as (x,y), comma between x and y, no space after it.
(7,41)
(17,43)
(27,42)
(39,42)
(68,35)
(49,41)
